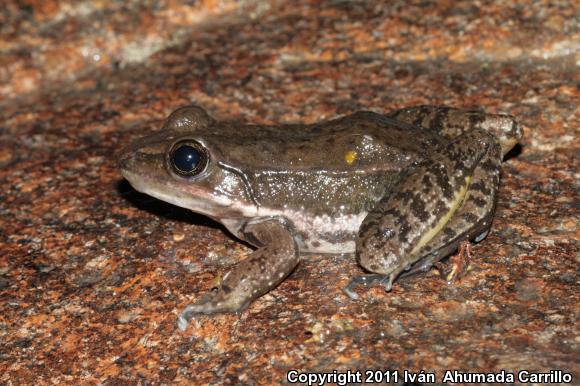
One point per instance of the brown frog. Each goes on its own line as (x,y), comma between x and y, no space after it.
(400,190)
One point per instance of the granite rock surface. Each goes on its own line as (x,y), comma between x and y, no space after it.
(93,274)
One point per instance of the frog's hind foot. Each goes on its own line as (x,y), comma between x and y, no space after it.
(367,281)
(459,264)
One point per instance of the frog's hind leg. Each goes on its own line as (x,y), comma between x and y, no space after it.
(252,277)
(471,221)
(447,198)
(451,123)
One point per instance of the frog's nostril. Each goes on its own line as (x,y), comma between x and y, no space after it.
(125,161)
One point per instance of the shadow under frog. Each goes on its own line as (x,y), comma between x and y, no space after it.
(400,190)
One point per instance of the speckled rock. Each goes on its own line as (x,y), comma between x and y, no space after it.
(93,274)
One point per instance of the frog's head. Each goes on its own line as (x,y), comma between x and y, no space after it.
(179,165)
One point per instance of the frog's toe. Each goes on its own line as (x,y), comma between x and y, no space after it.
(201,307)
(482,236)
(185,316)
(213,302)
(352,284)
(459,264)
(368,280)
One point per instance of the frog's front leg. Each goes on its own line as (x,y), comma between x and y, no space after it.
(263,270)
(446,199)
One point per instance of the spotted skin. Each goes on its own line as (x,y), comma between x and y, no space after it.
(401,190)
(264,269)
(458,190)
(450,122)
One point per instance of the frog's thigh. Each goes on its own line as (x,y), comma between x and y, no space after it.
(446,121)
(452,122)
(264,269)
(472,219)
(434,196)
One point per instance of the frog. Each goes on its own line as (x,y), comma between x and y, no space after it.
(400,190)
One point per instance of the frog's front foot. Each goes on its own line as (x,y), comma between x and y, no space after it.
(369,280)
(213,302)
(459,263)
(252,277)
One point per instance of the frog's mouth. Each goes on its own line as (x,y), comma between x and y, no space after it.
(195,199)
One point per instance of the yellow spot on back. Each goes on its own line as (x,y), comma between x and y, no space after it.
(350,157)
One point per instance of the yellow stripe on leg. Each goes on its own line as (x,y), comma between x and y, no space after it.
(458,200)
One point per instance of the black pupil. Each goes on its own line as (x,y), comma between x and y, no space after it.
(186,158)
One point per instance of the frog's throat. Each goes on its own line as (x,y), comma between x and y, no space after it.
(458,199)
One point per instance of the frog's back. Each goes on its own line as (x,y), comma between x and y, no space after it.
(361,143)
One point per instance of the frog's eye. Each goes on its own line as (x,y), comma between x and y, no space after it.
(188,158)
